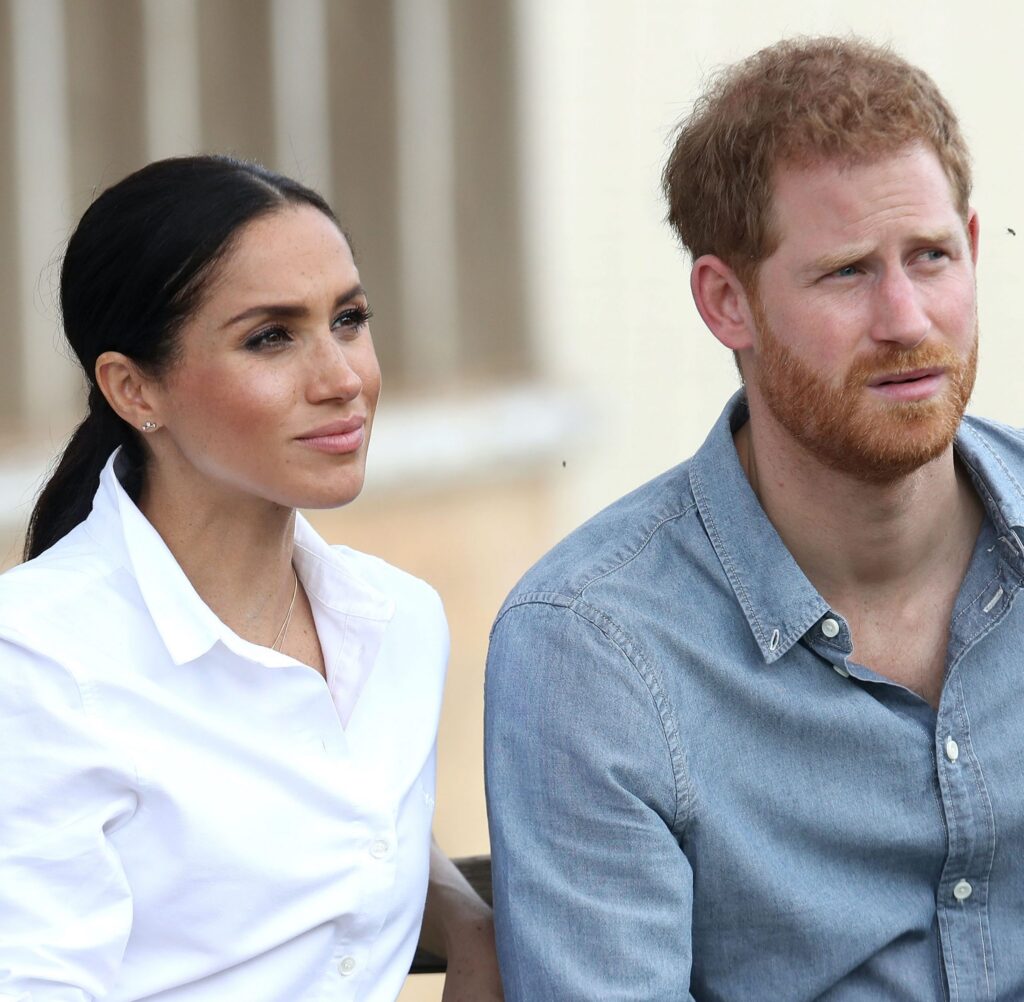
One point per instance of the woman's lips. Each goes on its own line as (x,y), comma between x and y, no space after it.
(337,438)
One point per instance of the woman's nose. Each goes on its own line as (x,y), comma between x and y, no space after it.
(332,374)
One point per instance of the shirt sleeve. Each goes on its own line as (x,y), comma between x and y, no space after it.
(65,904)
(593,893)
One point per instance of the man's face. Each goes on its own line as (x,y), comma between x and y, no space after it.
(866,314)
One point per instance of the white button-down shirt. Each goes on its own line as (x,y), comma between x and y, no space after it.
(187,815)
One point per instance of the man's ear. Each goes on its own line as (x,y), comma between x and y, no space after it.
(973,232)
(722,302)
(127,388)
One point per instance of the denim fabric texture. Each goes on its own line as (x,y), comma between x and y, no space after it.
(696,793)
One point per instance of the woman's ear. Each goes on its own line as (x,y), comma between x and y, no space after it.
(722,302)
(127,389)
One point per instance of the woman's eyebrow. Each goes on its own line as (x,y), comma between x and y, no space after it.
(290,309)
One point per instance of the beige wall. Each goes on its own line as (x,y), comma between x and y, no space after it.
(602,295)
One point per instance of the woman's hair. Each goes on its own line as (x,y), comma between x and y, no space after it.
(135,270)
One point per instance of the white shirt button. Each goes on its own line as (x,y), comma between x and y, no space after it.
(347,966)
(830,628)
(840,670)
(380,849)
(962,890)
(952,750)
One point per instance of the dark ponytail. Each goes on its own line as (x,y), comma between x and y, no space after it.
(136,268)
(67,497)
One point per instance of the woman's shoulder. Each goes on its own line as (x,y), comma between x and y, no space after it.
(404,589)
(62,588)
(386,578)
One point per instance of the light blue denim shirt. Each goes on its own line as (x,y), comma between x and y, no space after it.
(695,792)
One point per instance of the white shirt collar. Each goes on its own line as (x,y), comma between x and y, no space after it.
(186,624)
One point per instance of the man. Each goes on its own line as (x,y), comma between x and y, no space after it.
(755,731)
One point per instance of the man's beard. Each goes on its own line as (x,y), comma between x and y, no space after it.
(878,440)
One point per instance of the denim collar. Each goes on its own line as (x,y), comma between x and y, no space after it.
(1000,491)
(780,604)
(776,597)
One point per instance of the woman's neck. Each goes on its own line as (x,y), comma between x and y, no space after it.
(235,549)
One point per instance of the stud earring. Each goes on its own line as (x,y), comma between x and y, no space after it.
(149,426)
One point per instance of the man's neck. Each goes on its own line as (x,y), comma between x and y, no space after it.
(854,538)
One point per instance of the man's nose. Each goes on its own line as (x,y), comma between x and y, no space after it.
(900,314)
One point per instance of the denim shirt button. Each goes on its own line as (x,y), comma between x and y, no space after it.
(830,628)
(962,890)
(952,749)
(840,670)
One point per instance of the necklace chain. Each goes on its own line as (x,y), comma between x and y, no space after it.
(279,639)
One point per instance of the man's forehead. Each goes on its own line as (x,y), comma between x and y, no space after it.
(851,194)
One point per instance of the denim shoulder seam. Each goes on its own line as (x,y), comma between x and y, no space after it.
(629,557)
(553,598)
(633,655)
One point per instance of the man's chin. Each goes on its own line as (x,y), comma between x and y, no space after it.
(882,448)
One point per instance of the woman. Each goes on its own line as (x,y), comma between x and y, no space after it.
(216,731)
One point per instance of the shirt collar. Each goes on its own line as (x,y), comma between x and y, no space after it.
(186,624)
(780,604)
(997,485)
(778,600)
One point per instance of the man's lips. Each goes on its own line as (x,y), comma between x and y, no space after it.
(918,384)
(906,377)
(337,437)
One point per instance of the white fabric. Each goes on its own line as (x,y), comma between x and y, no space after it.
(183,814)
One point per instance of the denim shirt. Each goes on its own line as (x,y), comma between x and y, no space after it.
(695,792)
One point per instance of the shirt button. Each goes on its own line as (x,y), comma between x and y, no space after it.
(952,750)
(347,966)
(962,890)
(830,628)
(840,670)
(379,849)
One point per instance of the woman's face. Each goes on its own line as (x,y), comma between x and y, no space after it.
(277,381)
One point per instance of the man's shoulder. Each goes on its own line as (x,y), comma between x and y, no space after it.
(627,538)
(996,434)
(995,451)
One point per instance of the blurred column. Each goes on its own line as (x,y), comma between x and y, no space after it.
(426,188)
(302,121)
(48,387)
(171,54)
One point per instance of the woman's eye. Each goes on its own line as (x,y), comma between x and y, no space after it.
(269,337)
(355,318)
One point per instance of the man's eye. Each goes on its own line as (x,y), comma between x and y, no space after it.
(933,254)
(847,271)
